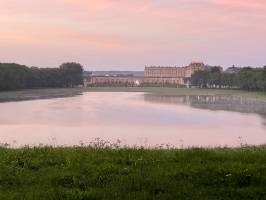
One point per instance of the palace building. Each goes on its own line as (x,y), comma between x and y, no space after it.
(173,72)
(153,75)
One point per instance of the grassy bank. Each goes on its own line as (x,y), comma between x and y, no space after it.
(86,173)
(183,91)
(64,92)
(39,94)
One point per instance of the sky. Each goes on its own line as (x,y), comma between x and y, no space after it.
(129,34)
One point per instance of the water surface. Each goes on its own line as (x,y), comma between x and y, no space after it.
(136,119)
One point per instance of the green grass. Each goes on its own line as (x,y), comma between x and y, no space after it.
(91,173)
(63,92)
(182,91)
(39,93)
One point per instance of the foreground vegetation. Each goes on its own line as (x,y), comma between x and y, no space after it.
(95,173)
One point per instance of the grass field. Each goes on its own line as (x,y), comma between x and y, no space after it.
(64,92)
(39,93)
(93,173)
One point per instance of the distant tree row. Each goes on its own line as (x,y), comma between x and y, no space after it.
(246,78)
(14,76)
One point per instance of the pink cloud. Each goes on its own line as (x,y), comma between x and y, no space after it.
(251,4)
(114,5)
(94,40)
(48,36)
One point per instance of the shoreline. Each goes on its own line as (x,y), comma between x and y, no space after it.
(36,94)
(33,94)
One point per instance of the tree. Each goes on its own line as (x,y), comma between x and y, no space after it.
(262,80)
(14,76)
(248,78)
(73,74)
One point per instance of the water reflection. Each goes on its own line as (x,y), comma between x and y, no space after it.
(136,119)
(226,103)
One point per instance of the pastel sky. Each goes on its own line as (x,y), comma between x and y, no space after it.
(129,34)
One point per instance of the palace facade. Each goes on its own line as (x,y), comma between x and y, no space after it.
(184,72)
(175,76)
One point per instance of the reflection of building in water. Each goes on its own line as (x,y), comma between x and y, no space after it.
(176,76)
(227,103)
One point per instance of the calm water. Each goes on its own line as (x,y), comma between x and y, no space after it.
(135,119)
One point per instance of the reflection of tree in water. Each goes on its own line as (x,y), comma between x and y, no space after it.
(227,103)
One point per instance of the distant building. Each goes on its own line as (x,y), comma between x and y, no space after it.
(232,70)
(154,75)
(174,72)
(213,68)
(133,81)
(87,74)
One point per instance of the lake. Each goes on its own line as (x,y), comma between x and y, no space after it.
(134,119)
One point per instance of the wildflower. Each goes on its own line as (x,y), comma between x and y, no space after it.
(227,175)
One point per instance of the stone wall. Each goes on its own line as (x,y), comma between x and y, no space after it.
(133,81)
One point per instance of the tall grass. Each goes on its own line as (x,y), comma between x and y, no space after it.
(121,173)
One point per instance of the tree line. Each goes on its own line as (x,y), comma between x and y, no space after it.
(14,76)
(246,78)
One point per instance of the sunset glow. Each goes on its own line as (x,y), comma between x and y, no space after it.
(126,35)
